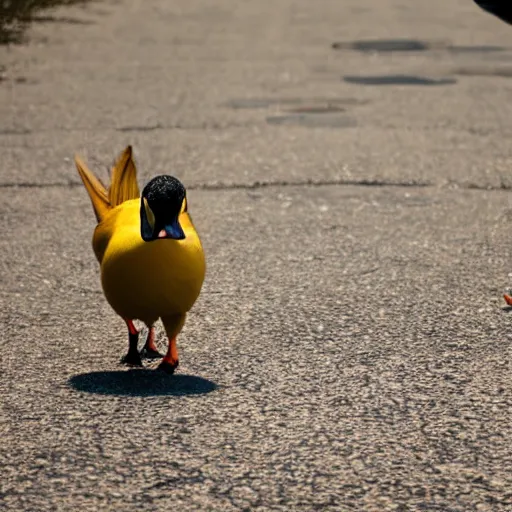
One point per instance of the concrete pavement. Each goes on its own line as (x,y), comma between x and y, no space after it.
(350,350)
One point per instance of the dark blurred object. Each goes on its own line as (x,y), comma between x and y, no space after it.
(15,14)
(500,8)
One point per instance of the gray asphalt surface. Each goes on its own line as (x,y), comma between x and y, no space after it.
(351,349)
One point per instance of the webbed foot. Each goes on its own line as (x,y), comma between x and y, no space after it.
(131,359)
(167,367)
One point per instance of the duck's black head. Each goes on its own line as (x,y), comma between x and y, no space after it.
(162,201)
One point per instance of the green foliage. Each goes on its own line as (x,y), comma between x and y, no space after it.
(15,14)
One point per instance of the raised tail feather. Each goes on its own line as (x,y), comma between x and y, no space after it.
(123,186)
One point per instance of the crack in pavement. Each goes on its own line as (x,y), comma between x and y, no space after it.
(249,186)
(283,183)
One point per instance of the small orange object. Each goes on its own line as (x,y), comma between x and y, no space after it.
(508,299)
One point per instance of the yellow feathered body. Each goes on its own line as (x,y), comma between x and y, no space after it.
(147,280)
(144,280)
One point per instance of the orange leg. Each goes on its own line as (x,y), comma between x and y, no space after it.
(508,299)
(132,358)
(173,325)
(171,360)
(150,351)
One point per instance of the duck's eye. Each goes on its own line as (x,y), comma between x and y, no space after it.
(149,213)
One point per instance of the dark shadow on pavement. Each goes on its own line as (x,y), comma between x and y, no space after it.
(384,45)
(141,383)
(410,45)
(294,103)
(313,121)
(397,80)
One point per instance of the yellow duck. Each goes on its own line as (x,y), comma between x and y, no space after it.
(151,258)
